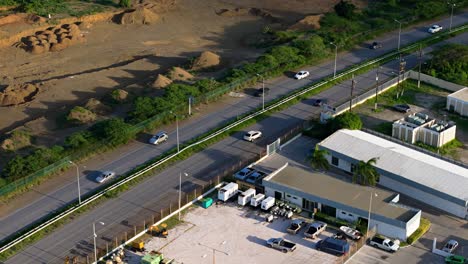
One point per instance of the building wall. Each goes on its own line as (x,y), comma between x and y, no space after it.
(389,230)
(404,133)
(342,164)
(459,106)
(422,196)
(413,224)
(350,217)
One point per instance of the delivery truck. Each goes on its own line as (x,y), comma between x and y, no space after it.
(268,203)
(228,191)
(257,200)
(245,197)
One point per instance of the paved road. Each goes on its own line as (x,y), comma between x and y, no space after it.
(158,191)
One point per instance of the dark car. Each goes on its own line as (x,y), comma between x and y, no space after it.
(404,108)
(333,246)
(259,92)
(319,102)
(375,45)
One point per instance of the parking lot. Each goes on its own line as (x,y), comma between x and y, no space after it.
(229,234)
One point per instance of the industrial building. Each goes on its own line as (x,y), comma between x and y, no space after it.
(434,181)
(312,191)
(458,102)
(420,128)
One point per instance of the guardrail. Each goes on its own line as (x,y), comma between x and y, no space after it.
(288,98)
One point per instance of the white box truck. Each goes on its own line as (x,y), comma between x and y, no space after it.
(257,199)
(228,191)
(245,197)
(268,203)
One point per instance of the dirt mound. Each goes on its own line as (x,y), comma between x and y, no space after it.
(119,95)
(205,60)
(179,74)
(18,94)
(21,17)
(308,23)
(81,115)
(96,106)
(233,12)
(159,6)
(161,81)
(140,15)
(16,140)
(248,11)
(52,39)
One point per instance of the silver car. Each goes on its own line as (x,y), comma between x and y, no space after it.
(159,138)
(450,246)
(106,175)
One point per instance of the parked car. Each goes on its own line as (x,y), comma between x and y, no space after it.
(252,135)
(295,226)
(404,108)
(315,229)
(259,92)
(333,246)
(385,244)
(301,75)
(254,177)
(450,246)
(375,45)
(455,259)
(281,244)
(159,138)
(434,28)
(350,232)
(340,236)
(242,174)
(106,175)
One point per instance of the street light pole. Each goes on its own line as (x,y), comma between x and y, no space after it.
(370,209)
(77,180)
(336,54)
(399,34)
(94,237)
(180,189)
(451,16)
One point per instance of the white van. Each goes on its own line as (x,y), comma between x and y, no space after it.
(245,197)
(228,191)
(257,200)
(268,203)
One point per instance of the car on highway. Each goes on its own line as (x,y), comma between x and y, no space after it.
(404,108)
(259,92)
(159,138)
(434,29)
(301,75)
(252,135)
(450,246)
(455,259)
(106,175)
(319,102)
(375,45)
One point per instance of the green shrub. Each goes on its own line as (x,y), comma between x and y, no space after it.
(114,130)
(348,120)
(345,9)
(78,139)
(312,47)
(424,226)
(450,63)
(125,3)
(43,7)
(430,9)
(331,220)
(7,2)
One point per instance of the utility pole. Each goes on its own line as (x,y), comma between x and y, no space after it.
(376,87)
(420,62)
(451,16)
(399,33)
(402,71)
(353,84)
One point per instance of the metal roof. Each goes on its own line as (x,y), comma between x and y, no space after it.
(416,167)
(335,192)
(461,94)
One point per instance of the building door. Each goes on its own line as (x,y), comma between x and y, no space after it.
(308,205)
(329,210)
(278,195)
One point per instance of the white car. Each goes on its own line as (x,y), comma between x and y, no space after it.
(252,135)
(434,28)
(301,75)
(158,138)
(105,176)
(450,246)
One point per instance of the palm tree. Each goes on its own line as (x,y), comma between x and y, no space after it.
(319,160)
(365,172)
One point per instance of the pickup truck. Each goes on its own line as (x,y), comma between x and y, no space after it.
(295,226)
(281,244)
(315,229)
(385,244)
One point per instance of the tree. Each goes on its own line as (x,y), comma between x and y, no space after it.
(312,47)
(78,139)
(365,172)
(345,9)
(125,3)
(347,120)
(114,130)
(318,160)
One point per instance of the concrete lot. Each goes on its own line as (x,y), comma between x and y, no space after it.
(237,235)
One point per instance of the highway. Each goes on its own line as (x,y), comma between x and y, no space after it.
(156,192)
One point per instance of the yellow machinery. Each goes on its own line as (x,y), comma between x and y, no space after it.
(138,246)
(159,230)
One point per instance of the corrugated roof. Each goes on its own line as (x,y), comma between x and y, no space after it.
(461,94)
(408,163)
(346,193)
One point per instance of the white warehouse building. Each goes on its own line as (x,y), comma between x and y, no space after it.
(434,181)
(312,190)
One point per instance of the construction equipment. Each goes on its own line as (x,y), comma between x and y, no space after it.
(153,257)
(159,230)
(138,246)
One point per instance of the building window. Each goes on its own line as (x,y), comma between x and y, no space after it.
(350,214)
(353,167)
(334,161)
(343,213)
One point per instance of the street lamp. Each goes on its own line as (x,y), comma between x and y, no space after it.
(399,34)
(336,54)
(180,189)
(77,180)
(263,91)
(94,237)
(451,16)
(372,193)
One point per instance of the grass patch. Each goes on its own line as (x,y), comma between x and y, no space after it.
(447,149)
(384,128)
(424,226)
